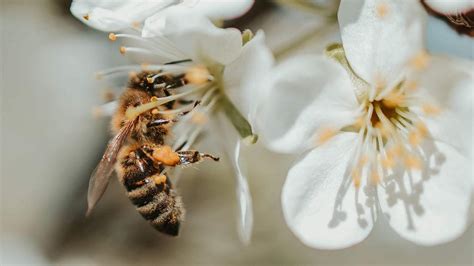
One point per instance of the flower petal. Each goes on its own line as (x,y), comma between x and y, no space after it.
(448,84)
(430,206)
(116,15)
(450,7)
(244,77)
(321,205)
(221,9)
(304,95)
(196,36)
(231,142)
(380,37)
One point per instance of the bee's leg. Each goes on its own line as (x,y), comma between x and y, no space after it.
(190,157)
(167,156)
(160,122)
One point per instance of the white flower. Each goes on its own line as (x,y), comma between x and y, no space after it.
(220,70)
(118,15)
(450,7)
(389,129)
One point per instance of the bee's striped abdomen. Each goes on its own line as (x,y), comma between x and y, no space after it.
(150,192)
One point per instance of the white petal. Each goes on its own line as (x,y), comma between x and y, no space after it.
(304,95)
(224,9)
(430,206)
(116,15)
(196,36)
(448,84)
(320,204)
(381,36)
(450,7)
(244,77)
(231,142)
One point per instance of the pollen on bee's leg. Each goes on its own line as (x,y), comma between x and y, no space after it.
(159,179)
(197,75)
(382,9)
(420,61)
(324,135)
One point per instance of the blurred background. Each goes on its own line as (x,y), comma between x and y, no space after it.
(50,143)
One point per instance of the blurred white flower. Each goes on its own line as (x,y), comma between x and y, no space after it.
(450,7)
(459,14)
(118,15)
(223,68)
(389,129)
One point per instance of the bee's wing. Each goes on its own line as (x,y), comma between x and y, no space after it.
(102,173)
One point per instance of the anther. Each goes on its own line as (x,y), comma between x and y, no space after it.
(112,36)
(430,109)
(86,17)
(122,49)
(325,135)
(197,75)
(420,61)
(382,10)
(412,162)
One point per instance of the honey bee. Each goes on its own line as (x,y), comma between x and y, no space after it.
(139,155)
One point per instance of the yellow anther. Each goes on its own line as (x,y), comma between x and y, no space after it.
(415,138)
(393,100)
(112,36)
(197,75)
(199,118)
(388,162)
(422,129)
(153,99)
(412,162)
(395,151)
(324,135)
(411,85)
(430,109)
(155,111)
(122,49)
(108,95)
(374,177)
(356,176)
(360,122)
(382,10)
(420,61)
(136,24)
(150,79)
(86,17)
(384,131)
(363,160)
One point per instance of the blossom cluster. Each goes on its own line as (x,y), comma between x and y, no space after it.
(383,128)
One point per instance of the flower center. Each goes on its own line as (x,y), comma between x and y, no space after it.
(389,135)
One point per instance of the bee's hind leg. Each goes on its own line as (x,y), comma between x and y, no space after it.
(191,156)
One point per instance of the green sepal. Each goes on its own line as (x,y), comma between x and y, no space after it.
(239,122)
(336,52)
(247,35)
